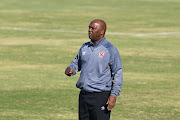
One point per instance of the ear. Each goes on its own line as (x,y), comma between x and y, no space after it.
(102,32)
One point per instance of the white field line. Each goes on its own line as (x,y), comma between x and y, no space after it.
(70,31)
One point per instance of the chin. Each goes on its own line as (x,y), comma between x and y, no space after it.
(92,40)
(90,37)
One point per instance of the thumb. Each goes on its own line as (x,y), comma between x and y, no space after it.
(107,102)
(71,71)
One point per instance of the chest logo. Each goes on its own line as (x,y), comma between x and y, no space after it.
(101,54)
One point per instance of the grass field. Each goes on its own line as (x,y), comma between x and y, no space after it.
(32,81)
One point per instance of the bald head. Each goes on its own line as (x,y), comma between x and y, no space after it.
(101,23)
(97,30)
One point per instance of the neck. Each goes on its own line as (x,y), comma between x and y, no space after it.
(94,41)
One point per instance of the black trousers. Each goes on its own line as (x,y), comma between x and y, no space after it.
(92,106)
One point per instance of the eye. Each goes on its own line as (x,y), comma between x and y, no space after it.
(91,28)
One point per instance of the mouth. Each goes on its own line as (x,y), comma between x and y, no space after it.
(90,34)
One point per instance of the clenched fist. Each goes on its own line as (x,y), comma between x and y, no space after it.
(69,71)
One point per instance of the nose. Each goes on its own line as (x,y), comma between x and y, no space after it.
(90,29)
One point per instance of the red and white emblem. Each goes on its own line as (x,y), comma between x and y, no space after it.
(101,54)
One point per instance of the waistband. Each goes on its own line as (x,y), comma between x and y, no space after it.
(85,92)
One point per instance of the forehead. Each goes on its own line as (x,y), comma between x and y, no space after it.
(94,24)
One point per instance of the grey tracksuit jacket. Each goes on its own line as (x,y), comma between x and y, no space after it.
(100,64)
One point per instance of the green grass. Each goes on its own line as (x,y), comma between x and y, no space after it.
(32,81)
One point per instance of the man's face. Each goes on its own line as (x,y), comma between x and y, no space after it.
(94,31)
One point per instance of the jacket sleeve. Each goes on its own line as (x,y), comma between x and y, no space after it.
(117,72)
(76,63)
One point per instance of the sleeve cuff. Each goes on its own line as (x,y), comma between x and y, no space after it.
(114,94)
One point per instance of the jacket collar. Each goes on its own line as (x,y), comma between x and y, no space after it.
(98,42)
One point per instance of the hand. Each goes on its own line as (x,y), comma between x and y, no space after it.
(111,102)
(69,71)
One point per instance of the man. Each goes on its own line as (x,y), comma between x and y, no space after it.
(101,74)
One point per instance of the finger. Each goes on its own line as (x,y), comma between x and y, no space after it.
(66,72)
(107,102)
(70,71)
(110,106)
